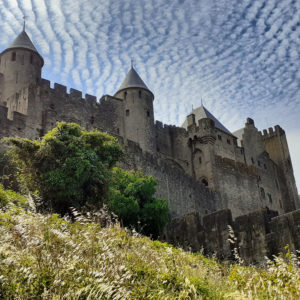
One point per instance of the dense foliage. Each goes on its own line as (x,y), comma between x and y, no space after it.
(71,167)
(46,257)
(132,199)
(68,167)
(8,197)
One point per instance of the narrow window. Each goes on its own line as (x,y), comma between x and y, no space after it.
(127,112)
(265,166)
(13,56)
(31,58)
(262,193)
(118,131)
(204,181)
(92,119)
(228,141)
(270,198)
(252,160)
(200,160)
(52,106)
(148,113)
(140,94)
(219,138)
(125,95)
(258,163)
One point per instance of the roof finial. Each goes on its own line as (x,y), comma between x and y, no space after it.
(24,22)
(201,101)
(131,63)
(192,107)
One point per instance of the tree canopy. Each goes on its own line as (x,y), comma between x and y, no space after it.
(69,166)
(131,197)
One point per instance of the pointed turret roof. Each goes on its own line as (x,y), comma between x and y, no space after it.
(201,113)
(23,41)
(133,80)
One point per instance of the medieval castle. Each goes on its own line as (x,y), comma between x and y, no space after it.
(211,177)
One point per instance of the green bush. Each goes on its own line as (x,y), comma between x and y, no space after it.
(68,167)
(8,196)
(131,197)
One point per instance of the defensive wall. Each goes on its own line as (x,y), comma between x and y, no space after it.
(276,145)
(185,195)
(259,234)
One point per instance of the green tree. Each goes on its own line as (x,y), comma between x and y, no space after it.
(69,166)
(131,197)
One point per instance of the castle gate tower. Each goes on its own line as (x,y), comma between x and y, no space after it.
(20,66)
(138,111)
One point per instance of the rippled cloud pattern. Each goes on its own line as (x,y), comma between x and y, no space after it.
(241,57)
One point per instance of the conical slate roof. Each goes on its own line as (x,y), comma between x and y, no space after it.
(201,113)
(23,41)
(133,80)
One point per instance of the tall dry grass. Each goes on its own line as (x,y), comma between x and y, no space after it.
(47,257)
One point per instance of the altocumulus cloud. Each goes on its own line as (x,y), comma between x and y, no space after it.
(241,57)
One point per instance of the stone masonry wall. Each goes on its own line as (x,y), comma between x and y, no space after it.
(259,234)
(241,187)
(184,193)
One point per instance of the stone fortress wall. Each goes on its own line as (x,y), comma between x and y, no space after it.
(201,169)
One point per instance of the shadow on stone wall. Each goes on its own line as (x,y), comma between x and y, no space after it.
(259,234)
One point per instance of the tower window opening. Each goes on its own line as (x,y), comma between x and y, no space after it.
(270,198)
(265,166)
(258,162)
(31,59)
(125,95)
(92,119)
(228,141)
(148,113)
(13,56)
(127,112)
(140,94)
(200,160)
(204,181)
(262,192)
(219,137)
(252,160)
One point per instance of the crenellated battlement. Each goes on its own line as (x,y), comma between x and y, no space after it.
(170,128)
(272,132)
(61,91)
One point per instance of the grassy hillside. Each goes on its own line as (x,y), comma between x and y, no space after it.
(46,257)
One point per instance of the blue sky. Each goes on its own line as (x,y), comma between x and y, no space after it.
(241,56)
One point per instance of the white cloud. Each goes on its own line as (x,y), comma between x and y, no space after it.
(242,57)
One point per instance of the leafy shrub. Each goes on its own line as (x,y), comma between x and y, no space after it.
(132,199)
(68,166)
(8,196)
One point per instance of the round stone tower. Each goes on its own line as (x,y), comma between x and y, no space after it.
(20,65)
(138,111)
